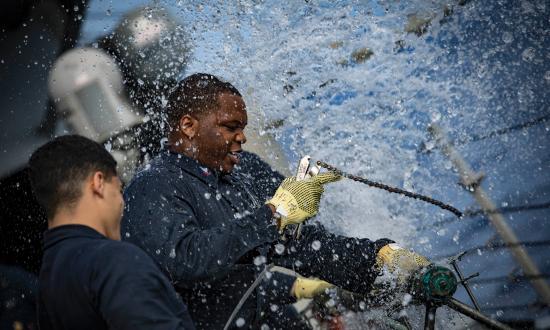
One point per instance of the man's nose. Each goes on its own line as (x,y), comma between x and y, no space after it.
(241,137)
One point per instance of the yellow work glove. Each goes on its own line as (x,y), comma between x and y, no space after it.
(400,261)
(309,288)
(297,201)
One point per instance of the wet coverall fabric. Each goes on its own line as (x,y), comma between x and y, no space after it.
(90,282)
(212,235)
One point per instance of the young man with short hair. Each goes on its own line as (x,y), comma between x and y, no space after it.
(89,279)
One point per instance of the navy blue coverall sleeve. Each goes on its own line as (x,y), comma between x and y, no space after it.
(132,293)
(165,222)
(347,262)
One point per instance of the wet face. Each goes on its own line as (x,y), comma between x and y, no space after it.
(221,133)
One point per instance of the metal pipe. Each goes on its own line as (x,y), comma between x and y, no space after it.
(465,284)
(470,179)
(429,316)
(472,313)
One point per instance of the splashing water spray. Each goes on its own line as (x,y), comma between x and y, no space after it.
(306,170)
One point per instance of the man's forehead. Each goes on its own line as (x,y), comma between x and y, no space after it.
(231,107)
(230,100)
(234,114)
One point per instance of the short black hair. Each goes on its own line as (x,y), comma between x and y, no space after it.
(196,95)
(58,168)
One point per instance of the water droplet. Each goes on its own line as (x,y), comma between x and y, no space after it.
(108,146)
(157,251)
(316,245)
(279,248)
(172,253)
(218,196)
(274,307)
(259,260)
(127,234)
(435,116)
(528,54)
(207,195)
(240,322)
(507,37)
(407,298)
(429,145)
(456,237)
(547,76)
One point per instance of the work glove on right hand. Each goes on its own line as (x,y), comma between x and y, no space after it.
(309,288)
(297,201)
(401,262)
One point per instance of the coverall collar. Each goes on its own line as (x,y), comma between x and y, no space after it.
(194,168)
(60,233)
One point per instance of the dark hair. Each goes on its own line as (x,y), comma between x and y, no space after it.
(58,168)
(195,95)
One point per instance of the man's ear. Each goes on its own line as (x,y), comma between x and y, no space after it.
(98,183)
(188,126)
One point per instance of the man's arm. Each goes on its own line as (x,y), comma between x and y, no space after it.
(132,293)
(347,262)
(164,223)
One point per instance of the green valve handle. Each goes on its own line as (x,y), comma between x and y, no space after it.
(435,283)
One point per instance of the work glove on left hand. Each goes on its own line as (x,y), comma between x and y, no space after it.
(309,288)
(400,261)
(297,201)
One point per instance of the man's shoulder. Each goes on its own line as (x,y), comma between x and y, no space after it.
(156,173)
(158,166)
(119,254)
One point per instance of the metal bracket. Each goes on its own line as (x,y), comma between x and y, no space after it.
(464,281)
(472,181)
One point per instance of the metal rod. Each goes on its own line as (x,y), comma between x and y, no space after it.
(429,316)
(465,284)
(472,313)
(470,179)
(474,275)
